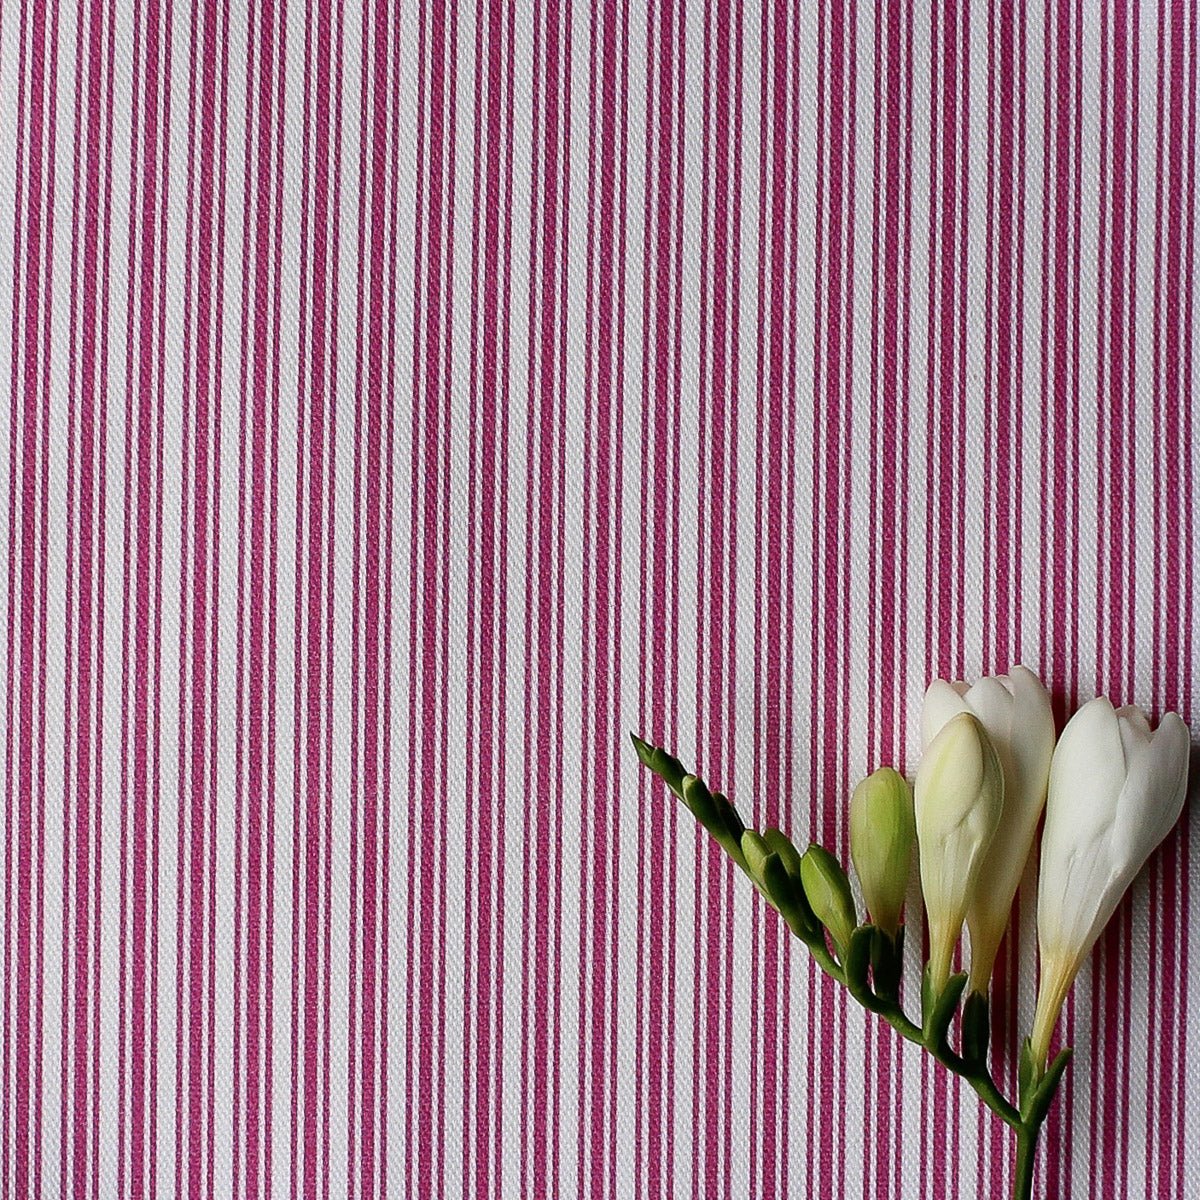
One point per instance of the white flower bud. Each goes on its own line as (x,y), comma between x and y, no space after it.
(1116,790)
(1015,711)
(958,799)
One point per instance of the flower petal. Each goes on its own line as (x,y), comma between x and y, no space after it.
(1086,777)
(943,700)
(1032,742)
(1135,731)
(1152,798)
(992,703)
(1088,770)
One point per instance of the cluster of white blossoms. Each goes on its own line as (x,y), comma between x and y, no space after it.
(1112,789)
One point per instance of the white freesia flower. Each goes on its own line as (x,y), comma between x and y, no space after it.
(958,799)
(1015,711)
(1116,789)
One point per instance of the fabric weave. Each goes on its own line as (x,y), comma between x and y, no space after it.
(405,402)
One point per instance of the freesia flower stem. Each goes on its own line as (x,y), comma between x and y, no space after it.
(979,1078)
(990,1094)
(826,961)
(976,1075)
(1027,1139)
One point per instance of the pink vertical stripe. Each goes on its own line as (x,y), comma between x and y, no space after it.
(26,793)
(601,678)
(550,186)
(486,614)
(770,710)
(315,458)
(254,994)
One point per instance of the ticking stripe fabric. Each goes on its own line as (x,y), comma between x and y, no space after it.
(405,402)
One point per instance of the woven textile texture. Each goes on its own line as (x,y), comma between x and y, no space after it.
(406,401)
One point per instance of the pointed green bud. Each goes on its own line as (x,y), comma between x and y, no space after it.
(781,844)
(882,836)
(788,896)
(700,801)
(668,768)
(782,874)
(756,851)
(732,827)
(828,892)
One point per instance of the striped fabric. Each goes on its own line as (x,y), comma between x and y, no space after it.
(404,404)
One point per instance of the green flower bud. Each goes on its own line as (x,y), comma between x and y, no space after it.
(828,892)
(755,852)
(882,835)
(781,844)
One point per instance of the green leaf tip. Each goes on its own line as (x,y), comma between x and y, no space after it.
(755,851)
(788,896)
(782,845)
(1037,1094)
(764,869)
(1024,1073)
(701,803)
(732,822)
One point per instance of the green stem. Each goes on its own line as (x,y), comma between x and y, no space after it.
(826,961)
(991,1095)
(979,1079)
(1027,1139)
